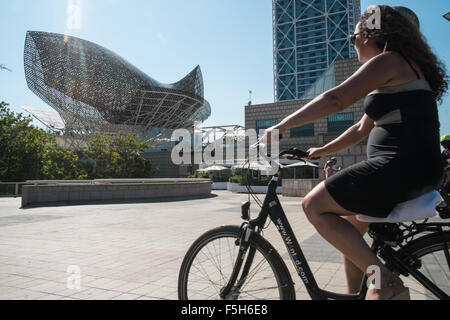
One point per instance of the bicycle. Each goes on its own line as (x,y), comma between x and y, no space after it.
(232,262)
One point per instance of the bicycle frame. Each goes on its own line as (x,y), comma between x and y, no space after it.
(272,209)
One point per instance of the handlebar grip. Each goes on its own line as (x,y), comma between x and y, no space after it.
(296,153)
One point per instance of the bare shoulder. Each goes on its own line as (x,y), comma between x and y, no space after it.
(375,73)
(389,59)
(396,68)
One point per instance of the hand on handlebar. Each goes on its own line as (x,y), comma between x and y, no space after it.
(268,134)
(316,153)
(294,154)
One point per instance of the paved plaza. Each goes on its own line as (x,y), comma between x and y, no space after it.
(131,250)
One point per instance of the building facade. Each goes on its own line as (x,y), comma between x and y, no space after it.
(309,35)
(321,132)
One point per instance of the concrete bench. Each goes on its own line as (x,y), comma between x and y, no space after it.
(48,192)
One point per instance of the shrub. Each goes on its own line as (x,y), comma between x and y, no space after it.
(235,179)
(249,180)
(209,175)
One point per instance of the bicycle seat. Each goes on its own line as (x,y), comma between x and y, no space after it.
(421,208)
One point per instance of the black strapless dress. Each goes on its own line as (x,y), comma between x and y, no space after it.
(404,156)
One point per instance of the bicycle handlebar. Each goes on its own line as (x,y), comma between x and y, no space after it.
(294,154)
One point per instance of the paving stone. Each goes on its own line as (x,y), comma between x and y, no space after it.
(133,250)
(126,296)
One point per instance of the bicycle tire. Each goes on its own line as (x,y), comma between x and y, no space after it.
(277,278)
(430,250)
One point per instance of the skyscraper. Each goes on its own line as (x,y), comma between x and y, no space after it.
(309,35)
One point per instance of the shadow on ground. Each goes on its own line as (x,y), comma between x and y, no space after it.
(108,202)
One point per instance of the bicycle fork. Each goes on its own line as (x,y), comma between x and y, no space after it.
(232,291)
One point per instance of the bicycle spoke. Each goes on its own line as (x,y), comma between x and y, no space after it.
(210,263)
(204,271)
(261,289)
(443,271)
(265,290)
(208,280)
(215,262)
(447,255)
(232,257)
(213,256)
(219,266)
(256,270)
(433,269)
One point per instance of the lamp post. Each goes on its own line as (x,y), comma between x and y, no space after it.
(447,16)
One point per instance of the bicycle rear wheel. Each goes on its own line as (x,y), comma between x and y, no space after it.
(209,263)
(435,265)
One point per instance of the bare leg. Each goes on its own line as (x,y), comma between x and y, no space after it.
(326,216)
(353,274)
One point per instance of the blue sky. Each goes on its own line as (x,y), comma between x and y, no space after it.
(231,40)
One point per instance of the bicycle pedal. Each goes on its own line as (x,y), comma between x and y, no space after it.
(443,210)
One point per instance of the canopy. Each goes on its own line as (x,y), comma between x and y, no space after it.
(263,167)
(214,168)
(302,164)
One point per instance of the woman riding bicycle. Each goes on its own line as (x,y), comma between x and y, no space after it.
(401,79)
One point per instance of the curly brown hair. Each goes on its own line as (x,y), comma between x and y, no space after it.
(400,34)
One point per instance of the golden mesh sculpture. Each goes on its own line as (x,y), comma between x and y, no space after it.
(95,90)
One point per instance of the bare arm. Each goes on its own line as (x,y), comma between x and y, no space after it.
(349,138)
(375,73)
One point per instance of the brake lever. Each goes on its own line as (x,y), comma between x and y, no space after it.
(297,154)
(296,159)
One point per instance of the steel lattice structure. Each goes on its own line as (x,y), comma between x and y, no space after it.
(94,89)
(308,36)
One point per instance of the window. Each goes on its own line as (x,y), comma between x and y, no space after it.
(340,122)
(261,125)
(303,131)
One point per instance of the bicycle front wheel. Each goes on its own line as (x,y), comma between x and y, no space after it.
(209,263)
(433,253)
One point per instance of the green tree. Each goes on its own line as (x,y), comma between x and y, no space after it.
(21,146)
(60,164)
(97,156)
(129,162)
(30,153)
(116,157)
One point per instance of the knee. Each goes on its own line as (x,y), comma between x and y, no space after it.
(309,208)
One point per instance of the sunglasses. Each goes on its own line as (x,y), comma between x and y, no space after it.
(353,37)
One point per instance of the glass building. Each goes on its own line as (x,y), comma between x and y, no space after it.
(309,35)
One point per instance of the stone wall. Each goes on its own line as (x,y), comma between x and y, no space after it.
(162,162)
(297,187)
(48,192)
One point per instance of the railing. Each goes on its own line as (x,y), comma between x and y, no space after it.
(9,189)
